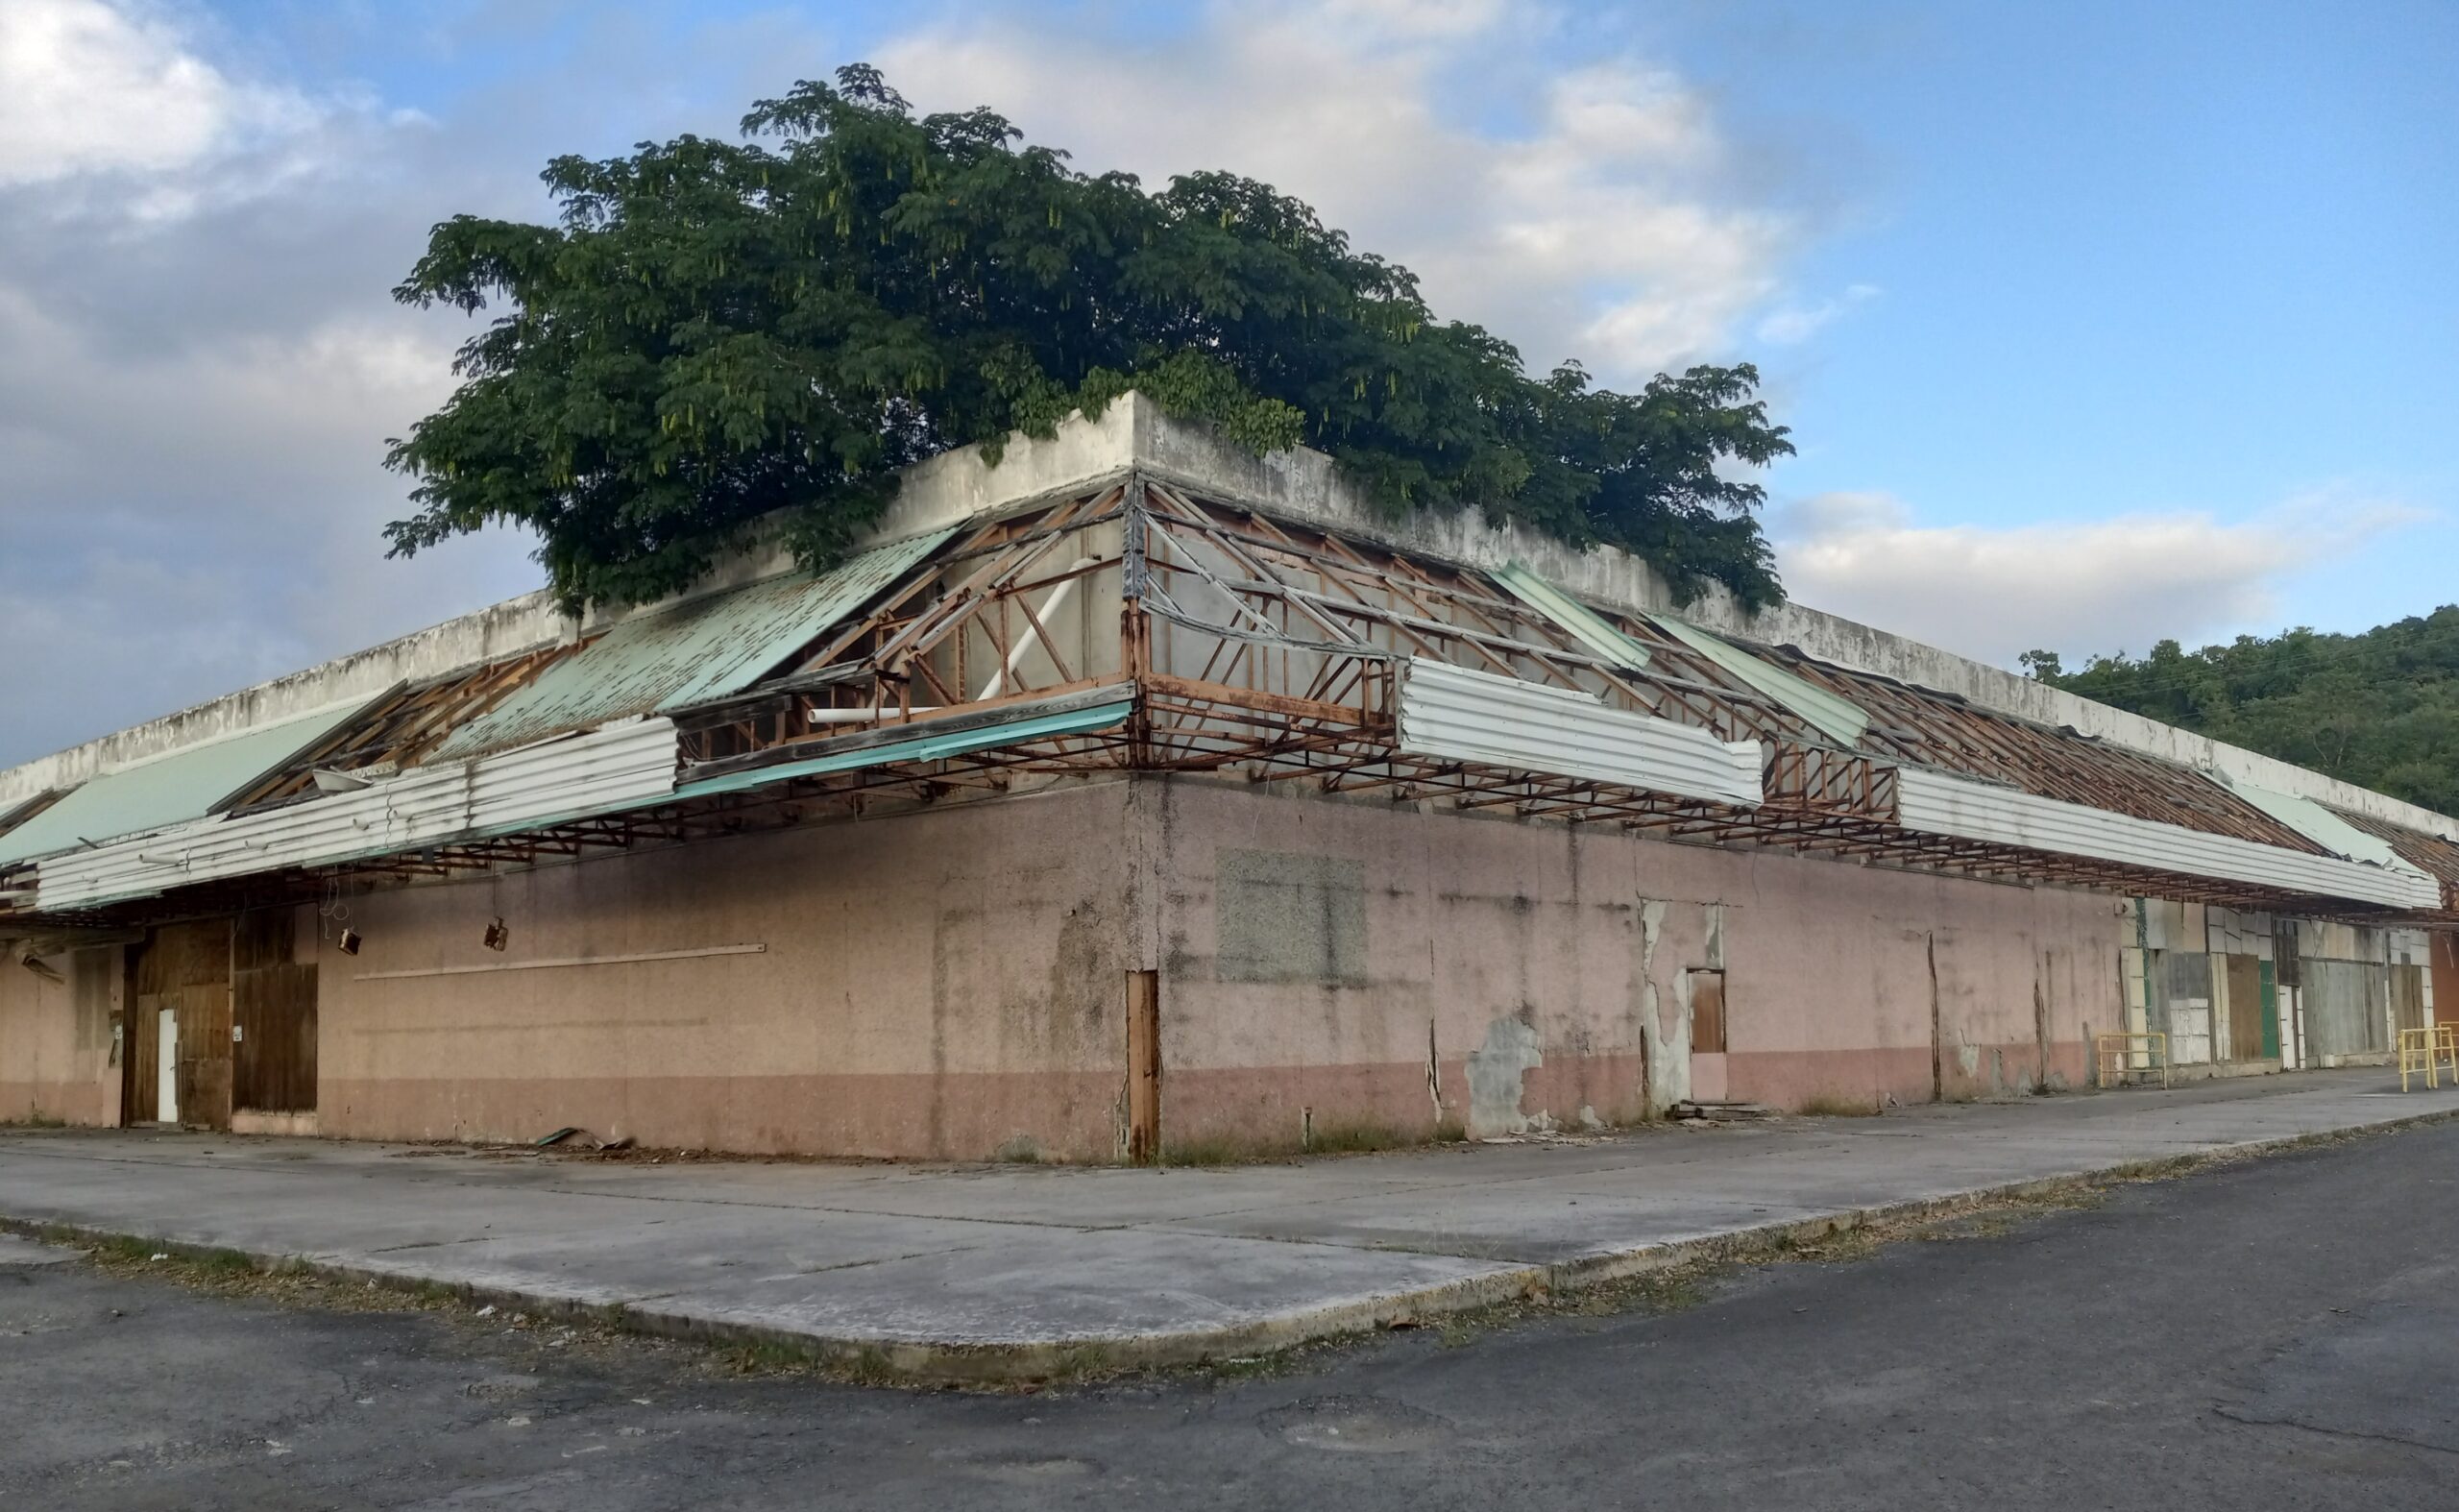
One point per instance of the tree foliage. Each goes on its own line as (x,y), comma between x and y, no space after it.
(721,331)
(2379,709)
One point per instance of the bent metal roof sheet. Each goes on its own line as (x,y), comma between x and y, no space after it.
(703,648)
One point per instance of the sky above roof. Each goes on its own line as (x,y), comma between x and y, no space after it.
(2095,323)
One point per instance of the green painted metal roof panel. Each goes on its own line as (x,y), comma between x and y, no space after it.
(2322,826)
(924,748)
(171,788)
(705,648)
(1839,718)
(1583,624)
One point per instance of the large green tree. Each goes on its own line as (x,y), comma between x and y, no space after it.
(721,331)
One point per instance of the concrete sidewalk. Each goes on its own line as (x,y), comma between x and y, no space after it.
(988,1271)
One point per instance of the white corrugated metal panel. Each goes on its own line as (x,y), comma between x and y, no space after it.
(1938,804)
(536,784)
(1459,715)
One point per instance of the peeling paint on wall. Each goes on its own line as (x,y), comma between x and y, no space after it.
(1665,1036)
(1495,1070)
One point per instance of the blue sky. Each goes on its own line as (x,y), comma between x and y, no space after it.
(2095,323)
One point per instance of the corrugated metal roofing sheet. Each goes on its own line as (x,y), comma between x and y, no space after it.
(170,788)
(1583,624)
(1027,727)
(1839,718)
(1938,804)
(1459,715)
(533,788)
(2323,827)
(706,648)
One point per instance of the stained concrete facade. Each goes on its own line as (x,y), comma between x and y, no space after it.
(950,984)
(58,1052)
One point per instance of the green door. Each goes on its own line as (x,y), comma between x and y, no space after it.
(2271,1014)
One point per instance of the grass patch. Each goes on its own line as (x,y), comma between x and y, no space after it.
(1215,1150)
(1362,1139)
(33,1121)
(1840,1105)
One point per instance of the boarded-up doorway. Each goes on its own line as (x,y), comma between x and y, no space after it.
(273,1003)
(2248,1007)
(1143,1067)
(2408,997)
(183,988)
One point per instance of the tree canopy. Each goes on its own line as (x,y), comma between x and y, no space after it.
(2379,709)
(721,331)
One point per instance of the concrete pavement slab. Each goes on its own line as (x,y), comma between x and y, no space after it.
(989,1270)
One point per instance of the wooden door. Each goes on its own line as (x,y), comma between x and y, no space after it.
(1143,1067)
(272,1056)
(204,1055)
(2444,954)
(2408,997)
(140,1100)
(273,1013)
(184,967)
(2248,1008)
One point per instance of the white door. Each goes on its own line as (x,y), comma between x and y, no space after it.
(166,1085)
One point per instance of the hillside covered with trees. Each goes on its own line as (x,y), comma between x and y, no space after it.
(2380,709)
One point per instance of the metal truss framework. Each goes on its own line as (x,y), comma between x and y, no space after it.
(1262,648)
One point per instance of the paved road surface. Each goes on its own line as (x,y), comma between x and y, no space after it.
(2280,1334)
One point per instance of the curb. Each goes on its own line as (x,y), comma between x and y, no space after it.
(922,1363)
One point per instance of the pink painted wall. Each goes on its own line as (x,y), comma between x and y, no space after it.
(937,984)
(1539,969)
(56,1061)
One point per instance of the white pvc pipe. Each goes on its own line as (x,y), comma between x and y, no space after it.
(1025,643)
(865,716)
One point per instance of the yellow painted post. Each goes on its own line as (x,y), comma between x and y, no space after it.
(2420,1051)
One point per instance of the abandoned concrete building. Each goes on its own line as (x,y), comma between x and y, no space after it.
(1138,793)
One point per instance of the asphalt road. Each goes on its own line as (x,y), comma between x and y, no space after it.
(2275,1334)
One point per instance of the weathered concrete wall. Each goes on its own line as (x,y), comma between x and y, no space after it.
(939,983)
(56,1061)
(1366,963)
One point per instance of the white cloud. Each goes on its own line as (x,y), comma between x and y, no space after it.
(2075,587)
(1789,325)
(1602,231)
(86,87)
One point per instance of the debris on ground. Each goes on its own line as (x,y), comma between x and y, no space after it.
(1718,1112)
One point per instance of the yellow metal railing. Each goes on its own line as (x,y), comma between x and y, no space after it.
(2121,1055)
(2428,1052)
